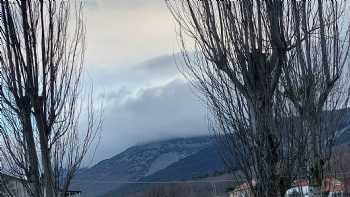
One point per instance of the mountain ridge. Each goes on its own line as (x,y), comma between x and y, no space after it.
(137,162)
(166,160)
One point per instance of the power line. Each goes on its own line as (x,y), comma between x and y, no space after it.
(155,182)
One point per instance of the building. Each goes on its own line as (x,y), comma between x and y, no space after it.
(305,191)
(13,186)
(73,193)
(243,190)
(331,187)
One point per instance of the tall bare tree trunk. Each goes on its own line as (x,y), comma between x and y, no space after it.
(31,154)
(41,59)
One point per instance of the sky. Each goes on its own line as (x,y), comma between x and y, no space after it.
(132,57)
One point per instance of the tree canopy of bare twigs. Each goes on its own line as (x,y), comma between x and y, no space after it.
(272,72)
(41,67)
(316,75)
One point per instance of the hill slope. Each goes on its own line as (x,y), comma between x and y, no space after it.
(169,160)
(203,163)
(136,163)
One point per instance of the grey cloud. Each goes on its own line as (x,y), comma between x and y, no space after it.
(160,68)
(151,114)
(163,66)
(90,3)
(122,3)
(143,101)
(146,102)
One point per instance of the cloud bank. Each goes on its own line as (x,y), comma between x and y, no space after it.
(145,98)
(153,102)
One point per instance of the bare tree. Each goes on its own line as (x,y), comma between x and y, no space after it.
(316,76)
(42,53)
(241,48)
(247,62)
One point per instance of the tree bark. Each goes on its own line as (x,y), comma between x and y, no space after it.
(31,154)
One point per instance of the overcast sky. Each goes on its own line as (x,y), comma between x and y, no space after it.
(131,54)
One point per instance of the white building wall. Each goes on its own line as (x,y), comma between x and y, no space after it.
(17,189)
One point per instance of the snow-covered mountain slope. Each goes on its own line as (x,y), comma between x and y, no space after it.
(137,162)
(206,162)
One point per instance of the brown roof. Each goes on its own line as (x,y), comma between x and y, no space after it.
(332,185)
(245,186)
(300,183)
